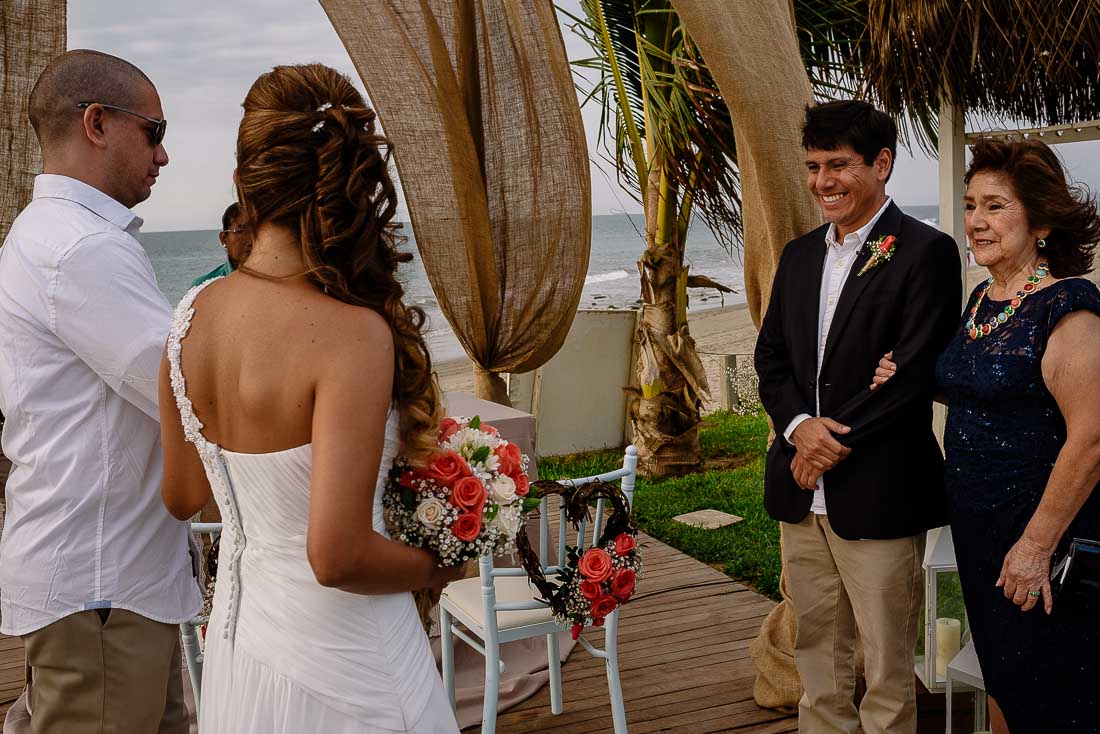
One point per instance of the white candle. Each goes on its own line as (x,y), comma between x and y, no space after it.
(948,637)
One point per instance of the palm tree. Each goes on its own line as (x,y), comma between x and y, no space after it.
(669,137)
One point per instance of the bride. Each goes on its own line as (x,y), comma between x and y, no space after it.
(286,390)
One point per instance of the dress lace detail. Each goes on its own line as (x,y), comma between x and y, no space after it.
(181,324)
(216,470)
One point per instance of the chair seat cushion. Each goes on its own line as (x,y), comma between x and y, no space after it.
(465,595)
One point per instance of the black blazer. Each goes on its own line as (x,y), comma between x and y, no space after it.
(891,485)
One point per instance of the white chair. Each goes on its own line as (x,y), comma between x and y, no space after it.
(189,630)
(964,668)
(499,606)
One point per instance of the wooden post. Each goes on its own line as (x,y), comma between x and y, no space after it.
(728,399)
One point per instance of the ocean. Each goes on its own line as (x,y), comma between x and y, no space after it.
(612,282)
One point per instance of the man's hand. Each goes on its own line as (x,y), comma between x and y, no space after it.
(804,473)
(815,443)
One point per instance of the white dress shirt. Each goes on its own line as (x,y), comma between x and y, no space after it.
(82,330)
(839,259)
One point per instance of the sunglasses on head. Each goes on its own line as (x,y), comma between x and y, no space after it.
(156,133)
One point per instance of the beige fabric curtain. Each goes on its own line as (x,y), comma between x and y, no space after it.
(752,51)
(32,33)
(478,99)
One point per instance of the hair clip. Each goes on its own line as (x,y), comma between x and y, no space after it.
(324,107)
(318,126)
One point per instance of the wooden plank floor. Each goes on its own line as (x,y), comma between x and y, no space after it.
(12,670)
(683,658)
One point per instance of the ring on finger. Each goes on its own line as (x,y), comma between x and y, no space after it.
(1035,593)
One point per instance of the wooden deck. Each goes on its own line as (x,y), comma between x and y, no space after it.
(684,661)
(683,654)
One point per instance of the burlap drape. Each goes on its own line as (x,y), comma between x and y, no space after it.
(752,51)
(478,99)
(32,33)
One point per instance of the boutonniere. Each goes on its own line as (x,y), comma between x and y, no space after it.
(882,250)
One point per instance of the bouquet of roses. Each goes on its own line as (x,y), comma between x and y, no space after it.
(468,502)
(598,581)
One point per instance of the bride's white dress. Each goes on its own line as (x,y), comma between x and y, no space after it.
(285,655)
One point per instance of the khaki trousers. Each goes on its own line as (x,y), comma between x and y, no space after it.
(844,590)
(106,671)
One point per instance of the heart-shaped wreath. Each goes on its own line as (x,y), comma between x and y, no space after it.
(595,581)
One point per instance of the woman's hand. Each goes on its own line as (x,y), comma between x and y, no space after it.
(443,575)
(1025,575)
(884,371)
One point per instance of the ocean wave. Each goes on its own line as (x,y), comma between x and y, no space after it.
(606,277)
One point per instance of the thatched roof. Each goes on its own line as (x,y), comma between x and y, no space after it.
(1037,61)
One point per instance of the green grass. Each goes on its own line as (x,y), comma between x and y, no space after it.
(732,481)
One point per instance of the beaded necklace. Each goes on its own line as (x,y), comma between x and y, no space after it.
(976,331)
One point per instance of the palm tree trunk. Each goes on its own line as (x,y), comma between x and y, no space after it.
(32,32)
(664,411)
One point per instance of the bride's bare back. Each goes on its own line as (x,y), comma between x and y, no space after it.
(266,346)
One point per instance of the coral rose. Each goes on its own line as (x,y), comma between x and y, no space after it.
(595,564)
(491,430)
(603,606)
(511,460)
(625,543)
(622,583)
(468,494)
(448,428)
(448,468)
(523,484)
(591,589)
(466,527)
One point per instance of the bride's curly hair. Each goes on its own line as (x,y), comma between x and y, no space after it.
(309,158)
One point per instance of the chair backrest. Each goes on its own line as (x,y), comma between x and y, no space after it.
(625,475)
(211,531)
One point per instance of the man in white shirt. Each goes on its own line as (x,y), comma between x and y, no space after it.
(95,575)
(856,477)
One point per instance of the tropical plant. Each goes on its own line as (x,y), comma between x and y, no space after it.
(669,137)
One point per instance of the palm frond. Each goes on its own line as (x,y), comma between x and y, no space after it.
(1035,61)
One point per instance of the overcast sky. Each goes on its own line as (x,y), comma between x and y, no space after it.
(204,54)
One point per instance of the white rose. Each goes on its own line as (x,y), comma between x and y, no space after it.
(512,518)
(430,513)
(504,489)
(507,520)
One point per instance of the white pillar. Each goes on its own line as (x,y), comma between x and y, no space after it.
(952,155)
(952,160)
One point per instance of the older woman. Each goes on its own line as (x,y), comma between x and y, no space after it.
(1022,441)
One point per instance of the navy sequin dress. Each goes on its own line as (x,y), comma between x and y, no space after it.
(1004,432)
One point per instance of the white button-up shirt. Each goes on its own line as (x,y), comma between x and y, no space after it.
(82,330)
(839,259)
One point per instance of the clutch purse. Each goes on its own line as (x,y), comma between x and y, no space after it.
(1075,579)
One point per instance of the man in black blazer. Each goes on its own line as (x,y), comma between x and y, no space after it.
(855,476)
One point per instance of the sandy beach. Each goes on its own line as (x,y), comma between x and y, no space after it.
(717,332)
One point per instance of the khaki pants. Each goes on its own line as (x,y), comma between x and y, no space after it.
(106,672)
(848,589)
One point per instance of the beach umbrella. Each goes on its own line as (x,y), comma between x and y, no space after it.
(478,99)
(32,32)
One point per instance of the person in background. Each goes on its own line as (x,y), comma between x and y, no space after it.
(95,574)
(1022,440)
(236,241)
